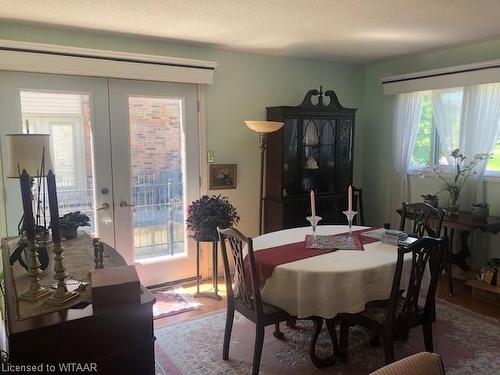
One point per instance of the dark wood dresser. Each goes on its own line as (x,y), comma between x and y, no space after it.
(118,338)
(312,151)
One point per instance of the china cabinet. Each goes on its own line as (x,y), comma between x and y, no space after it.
(313,150)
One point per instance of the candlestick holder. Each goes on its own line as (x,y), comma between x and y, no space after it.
(61,296)
(350,216)
(36,292)
(314,220)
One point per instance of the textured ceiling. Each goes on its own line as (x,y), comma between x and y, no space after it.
(343,30)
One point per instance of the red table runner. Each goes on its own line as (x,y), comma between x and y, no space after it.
(267,259)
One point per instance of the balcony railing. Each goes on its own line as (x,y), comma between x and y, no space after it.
(158,213)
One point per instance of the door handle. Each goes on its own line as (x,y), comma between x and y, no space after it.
(125,204)
(105,206)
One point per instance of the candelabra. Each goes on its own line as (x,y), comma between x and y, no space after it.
(36,291)
(61,296)
(314,220)
(350,216)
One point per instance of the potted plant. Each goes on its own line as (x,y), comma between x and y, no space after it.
(431,199)
(480,210)
(208,213)
(454,182)
(70,223)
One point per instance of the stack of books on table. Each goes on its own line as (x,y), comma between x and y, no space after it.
(391,237)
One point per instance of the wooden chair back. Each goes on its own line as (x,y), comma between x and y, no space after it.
(246,290)
(426,220)
(359,219)
(426,253)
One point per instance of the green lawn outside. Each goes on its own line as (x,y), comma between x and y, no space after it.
(494,164)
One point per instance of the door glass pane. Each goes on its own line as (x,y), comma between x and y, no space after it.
(157,163)
(66,117)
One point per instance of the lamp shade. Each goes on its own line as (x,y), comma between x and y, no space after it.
(264,126)
(26,151)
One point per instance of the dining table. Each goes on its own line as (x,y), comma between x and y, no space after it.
(320,286)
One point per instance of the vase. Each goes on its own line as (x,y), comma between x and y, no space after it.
(69,232)
(454,206)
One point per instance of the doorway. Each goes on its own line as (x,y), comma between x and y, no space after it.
(125,153)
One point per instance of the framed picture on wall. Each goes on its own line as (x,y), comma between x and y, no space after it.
(222,176)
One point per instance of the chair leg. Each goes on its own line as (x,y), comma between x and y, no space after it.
(427,328)
(292,323)
(257,353)
(277,333)
(388,348)
(227,333)
(343,341)
(449,254)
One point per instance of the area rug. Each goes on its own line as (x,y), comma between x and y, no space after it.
(467,342)
(173,300)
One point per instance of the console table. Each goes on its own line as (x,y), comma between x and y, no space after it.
(118,338)
(466,224)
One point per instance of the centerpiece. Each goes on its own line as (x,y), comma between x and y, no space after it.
(208,213)
(455,181)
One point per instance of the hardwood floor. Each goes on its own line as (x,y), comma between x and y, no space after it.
(462,297)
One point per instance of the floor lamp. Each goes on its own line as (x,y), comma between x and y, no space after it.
(263,128)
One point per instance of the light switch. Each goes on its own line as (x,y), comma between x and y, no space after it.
(210,157)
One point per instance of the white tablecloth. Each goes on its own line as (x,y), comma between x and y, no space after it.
(324,285)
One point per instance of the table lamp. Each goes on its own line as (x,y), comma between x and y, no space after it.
(28,156)
(263,128)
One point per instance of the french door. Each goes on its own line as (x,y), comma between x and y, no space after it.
(154,147)
(124,152)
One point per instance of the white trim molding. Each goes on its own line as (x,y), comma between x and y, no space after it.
(202,137)
(455,76)
(56,59)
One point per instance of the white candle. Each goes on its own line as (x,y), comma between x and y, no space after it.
(313,204)
(349,198)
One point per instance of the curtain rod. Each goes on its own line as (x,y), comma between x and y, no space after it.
(106,58)
(442,72)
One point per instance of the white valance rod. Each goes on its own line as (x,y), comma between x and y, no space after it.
(48,58)
(462,75)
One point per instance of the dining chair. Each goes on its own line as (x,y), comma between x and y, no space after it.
(244,296)
(358,201)
(425,219)
(394,317)
(428,220)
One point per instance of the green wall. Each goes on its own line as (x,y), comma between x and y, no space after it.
(377,119)
(244,85)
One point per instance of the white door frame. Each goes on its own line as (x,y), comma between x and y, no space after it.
(169,268)
(11,85)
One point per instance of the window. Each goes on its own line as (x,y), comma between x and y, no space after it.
(423,152)
(494,163)
(66,117)
(429,148)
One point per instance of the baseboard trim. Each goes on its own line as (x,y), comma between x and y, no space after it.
(170,283)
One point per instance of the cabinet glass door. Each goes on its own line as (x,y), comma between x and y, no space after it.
(318,155)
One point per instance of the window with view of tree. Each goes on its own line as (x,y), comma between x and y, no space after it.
(428,149)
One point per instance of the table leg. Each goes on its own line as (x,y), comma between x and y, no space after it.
(318,324)
(464,252)
(213,294)
(215,272)
(197,267)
